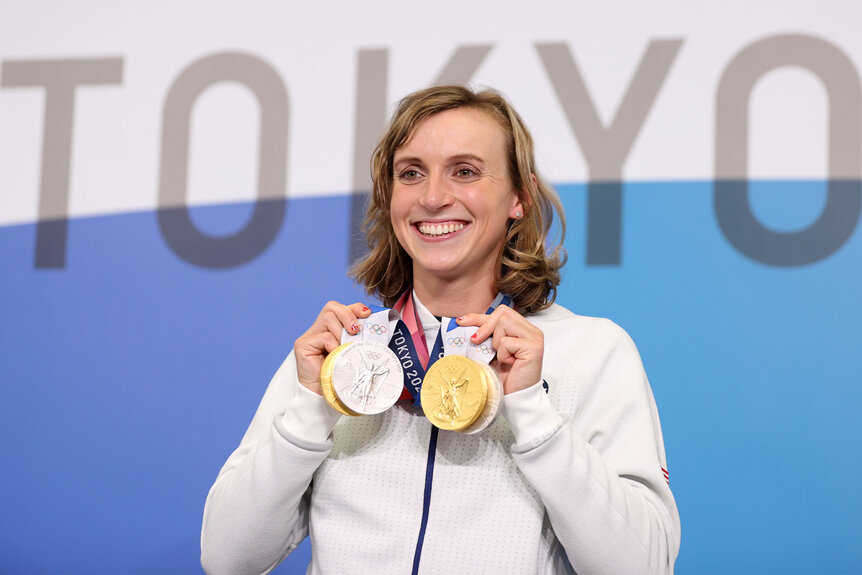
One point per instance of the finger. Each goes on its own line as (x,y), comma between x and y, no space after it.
(474,319)
(329,322)
(518,341)
(503,314)
(316,344)
(498,324)
(360,309)
(330,342)
(519,363)
(347,315)
(482,321)
(513,323)
(335,316)
(511,348)
(500,367)
(310,351)
(507,349)
(333,325)
(505,354)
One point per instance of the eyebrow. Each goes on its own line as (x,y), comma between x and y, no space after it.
(466,158)
(451,160)
(406,160)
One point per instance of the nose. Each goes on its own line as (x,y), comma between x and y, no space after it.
(436,193)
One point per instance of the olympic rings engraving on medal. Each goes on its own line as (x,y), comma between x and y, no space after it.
(377,329)
(457,341)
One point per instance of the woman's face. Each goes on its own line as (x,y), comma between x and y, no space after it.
(452,197)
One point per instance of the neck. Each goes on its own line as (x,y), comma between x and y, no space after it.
(454,298)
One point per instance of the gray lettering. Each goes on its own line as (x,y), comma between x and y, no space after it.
(175,223)
(606,148)
(371,82)
(462,65)
(844,198)
(60,80)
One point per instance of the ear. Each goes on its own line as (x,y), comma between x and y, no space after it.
(523,197)
(516,211)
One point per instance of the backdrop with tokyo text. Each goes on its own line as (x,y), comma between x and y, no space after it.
(180,185)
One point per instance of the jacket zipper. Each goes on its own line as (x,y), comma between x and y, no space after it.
(426,499)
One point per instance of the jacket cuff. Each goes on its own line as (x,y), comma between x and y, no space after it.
(531,416)
(307,420)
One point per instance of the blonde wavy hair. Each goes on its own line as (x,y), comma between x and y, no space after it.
(528,270)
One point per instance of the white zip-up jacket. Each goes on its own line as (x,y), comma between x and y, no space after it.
(568,480)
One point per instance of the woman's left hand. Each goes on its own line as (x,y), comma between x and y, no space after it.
(519,346)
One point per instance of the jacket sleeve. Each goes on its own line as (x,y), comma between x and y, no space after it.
(599,468)
(257,509)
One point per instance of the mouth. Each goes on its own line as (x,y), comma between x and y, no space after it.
(439,229)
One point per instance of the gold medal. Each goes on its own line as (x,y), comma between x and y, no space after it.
(454,392)
(326,381)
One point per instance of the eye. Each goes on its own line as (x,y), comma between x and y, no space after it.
(409,176)
(466,173)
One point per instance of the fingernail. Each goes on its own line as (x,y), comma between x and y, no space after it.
(459,318)
(473,336)
(354,327)
(365,308)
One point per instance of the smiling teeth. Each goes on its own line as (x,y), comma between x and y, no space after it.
(439,229)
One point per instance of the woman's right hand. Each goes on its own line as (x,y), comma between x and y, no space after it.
(322,337)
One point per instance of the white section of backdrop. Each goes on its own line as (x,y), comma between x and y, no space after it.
(314,50)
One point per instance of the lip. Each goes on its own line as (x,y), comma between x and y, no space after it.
(415,225)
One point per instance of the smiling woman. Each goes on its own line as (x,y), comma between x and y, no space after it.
(525,438)
(487,147)
(452,201)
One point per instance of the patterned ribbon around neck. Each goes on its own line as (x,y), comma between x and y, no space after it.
(408,342)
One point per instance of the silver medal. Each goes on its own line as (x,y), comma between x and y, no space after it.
(492,404)
(367,377)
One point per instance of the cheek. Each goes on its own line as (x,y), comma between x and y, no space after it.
(493,207)
(398,212)
(396,208)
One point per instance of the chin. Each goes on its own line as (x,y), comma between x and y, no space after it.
(440,269)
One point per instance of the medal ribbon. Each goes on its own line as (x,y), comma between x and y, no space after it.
(458,341)
(378,327)
(408,343)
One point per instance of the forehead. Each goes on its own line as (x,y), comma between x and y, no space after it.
(456,132)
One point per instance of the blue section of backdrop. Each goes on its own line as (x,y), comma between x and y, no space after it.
(130,375)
